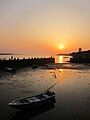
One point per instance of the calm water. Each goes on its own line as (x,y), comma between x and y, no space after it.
(72,92)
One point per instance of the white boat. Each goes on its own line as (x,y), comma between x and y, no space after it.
(34,101)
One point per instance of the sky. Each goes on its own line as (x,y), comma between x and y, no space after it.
(41,26)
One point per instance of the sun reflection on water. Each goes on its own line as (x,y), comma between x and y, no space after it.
(61,71)
(60,59)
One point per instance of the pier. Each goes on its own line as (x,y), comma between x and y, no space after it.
(18,63)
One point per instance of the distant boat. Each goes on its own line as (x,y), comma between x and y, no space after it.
(8,69)
(34,101)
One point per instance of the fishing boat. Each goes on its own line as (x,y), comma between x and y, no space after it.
(44,98)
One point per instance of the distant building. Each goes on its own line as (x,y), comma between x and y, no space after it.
(80,49)
(81,56)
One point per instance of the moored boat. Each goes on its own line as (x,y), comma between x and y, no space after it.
(34,101)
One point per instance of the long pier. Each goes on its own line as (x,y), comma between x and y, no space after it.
(18,63)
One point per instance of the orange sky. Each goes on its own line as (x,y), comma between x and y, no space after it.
(41,26)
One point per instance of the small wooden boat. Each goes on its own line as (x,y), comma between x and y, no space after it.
(34,101)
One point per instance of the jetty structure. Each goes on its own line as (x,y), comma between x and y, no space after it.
(19,63)
(80,56)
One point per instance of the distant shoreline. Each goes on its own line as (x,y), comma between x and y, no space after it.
(7,54)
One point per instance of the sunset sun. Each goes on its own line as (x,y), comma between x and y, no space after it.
(61,47)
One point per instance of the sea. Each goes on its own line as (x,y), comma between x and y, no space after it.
(72,90)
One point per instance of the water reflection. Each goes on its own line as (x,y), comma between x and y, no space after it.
(71,92)
(60,70)
(61,59)
(31,113)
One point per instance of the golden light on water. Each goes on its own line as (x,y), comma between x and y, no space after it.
(60,70)
(60,59)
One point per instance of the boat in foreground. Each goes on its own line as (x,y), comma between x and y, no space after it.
(34,101)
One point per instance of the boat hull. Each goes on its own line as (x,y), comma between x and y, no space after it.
(47,101)
(35,105)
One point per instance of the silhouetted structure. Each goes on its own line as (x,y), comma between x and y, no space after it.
(15,63)
(80,49)
(80,57)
